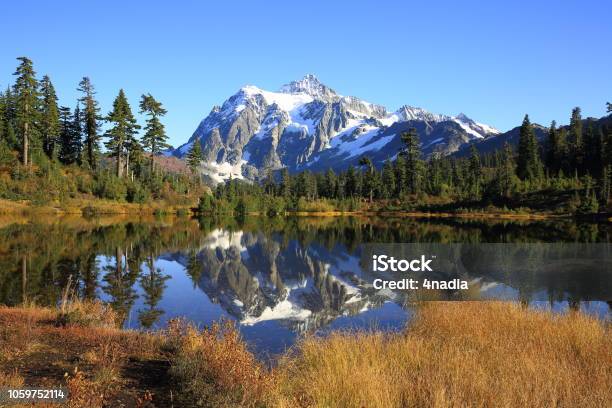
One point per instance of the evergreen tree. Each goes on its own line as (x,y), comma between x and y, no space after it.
(77,134)
(91,120)
(369,182)
(562,153)
(286,184)
(529,166)
(401,179)
(475,172)
(49,119)
(134,154)
(552,148)
(155,139)
(351,187)
(26,106)
(331,183)
(121,135)
(9,118)
(388,179)
(576,139)
(505,173)
(195,156)
(414,164)
(67,153)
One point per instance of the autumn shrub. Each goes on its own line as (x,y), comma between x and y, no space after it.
(215,368)
(87,313)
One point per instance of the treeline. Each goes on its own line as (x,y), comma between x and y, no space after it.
(52,151)
(575,160)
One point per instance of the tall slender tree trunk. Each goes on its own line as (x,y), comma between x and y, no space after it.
(119,167)
(26,144)
(90,157)
(127,164)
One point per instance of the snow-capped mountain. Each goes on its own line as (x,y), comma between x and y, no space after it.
(307,125)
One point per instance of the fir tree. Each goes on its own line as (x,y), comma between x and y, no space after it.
(26,106)
(529,166)
(401,178)
(414,164)
(77,134)
(286,184)
(369,182)
(505,174)
(49,119)
(121,135)
(66,154)
(388,179)
(576,139)
(91,120)
(155,139)
(475,172)
(10,118)
(3,116)
(331,183)
(195,156)
(351,187)
(552,148)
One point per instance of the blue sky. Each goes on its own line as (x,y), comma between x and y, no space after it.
(493,62)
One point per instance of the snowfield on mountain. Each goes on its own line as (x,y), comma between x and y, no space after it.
(308,126)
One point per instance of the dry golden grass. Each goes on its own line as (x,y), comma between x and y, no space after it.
(87,314)
(215,368)
(456,355)
(88,355)
(452,355)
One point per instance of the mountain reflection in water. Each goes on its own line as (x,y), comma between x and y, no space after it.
(277,277)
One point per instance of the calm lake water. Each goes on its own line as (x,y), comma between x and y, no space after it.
(278,278)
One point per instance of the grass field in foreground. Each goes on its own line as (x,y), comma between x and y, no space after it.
(452,354)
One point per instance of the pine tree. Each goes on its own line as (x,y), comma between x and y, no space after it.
(26,106)
(91,120)
(121,135)
(195,156)
(369,182)
(2,116)
(475,172)
(286,184)
(331,183)
(552,148)
(10,118)
(66,154)
(77,134)
(351,187)
(134,154)
(155,139)
(505,173)
(414,164)
(576,140)
(49,120)
(401,178)
(529,166)
(388,179)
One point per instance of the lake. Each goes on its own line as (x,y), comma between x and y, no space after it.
(280,278)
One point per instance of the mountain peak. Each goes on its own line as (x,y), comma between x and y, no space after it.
(309,85)
(463,117)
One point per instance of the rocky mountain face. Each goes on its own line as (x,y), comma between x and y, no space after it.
(307,125)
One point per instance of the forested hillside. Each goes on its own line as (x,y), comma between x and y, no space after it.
(50,153)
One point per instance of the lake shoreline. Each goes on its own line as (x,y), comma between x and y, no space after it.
(103,207)
(445,343)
